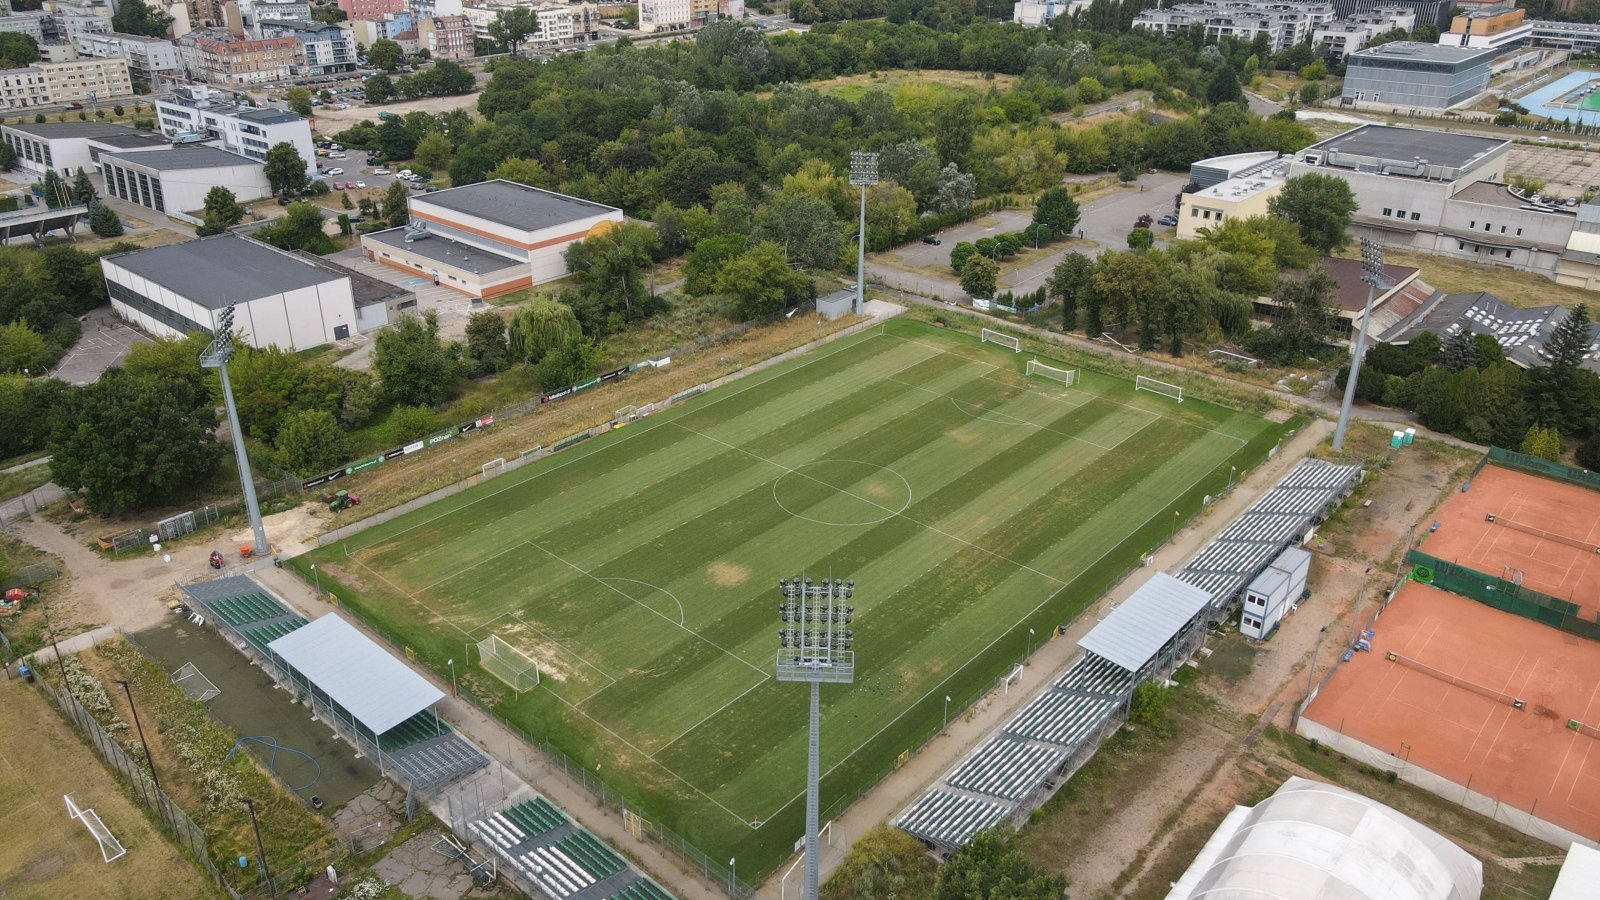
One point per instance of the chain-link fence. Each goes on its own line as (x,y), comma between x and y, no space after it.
(173,819)
(31,575)
(1504,595)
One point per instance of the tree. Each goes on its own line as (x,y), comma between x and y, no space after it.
(1320,205)
(610,269)
(222,211)
(1057,211)
(703,267)
(300,228)
(1069,280)
(486,342)
(83,189)
(953,189)
(510,28)
(1589,454)
(137,17)
(8,157)
(523,171)
(760,282)
(1562,391)
(433,150)
(311,442)
(396,204)
(22,349)
(1141,239)
(955,124)
(413,364)
(884,863)
(1120,282)
(1149,704)
(126,442)
(540,326)
(298,99)
(1461,351)
(56,192)
(1542,442)
(385,54)
(568,365)
(1224,87)
(379,87)
(17,50)
(285,168)
(104,222)
(989,867)
(1302,324)
(395,140)
(979,276)
(804,226)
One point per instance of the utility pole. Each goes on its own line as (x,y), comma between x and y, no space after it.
(150,760)
(216,357)
(1372,274)
(261,851)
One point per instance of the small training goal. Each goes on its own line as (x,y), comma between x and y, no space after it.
(110,847)
(1067,377)
(990,336)
(508,664)
(627,414)
(1141,383)
(194,684)
(493,467)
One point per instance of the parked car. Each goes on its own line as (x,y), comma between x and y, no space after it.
(1169,219)
(360,184)
(380,171)
(335,171)
(931,239)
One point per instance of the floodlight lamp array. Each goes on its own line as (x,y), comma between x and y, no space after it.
(817,624)
(863,168)
(221,348)
(1371,261)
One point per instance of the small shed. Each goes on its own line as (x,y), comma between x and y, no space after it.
(1274,592)
(836,304)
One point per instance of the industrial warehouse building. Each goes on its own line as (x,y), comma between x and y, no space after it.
(293,301)
(1411,74)
(176,179)
(70,147)
(489,238)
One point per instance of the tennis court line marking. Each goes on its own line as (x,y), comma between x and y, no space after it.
(892,512)
(708,717)
(651,424)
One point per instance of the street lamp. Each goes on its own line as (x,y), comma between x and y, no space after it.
(733,874)
(1372,274)
(863,173)
(1232,471)
(814,646)
(216,356)
(1174,532)
(318,576)
(260,850)
(148,758)
(1030,642)
(452,664)
(946,722)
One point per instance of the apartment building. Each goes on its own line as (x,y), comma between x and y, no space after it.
(1488,28)
(254,12)
(217,57)
(447,37)
(400,27)
(579,23)
(1346,36)
(198,113)
(149,59)
(28,23)
(370,9)
(328,48)
(55,83)
(663,15)
(1284,23)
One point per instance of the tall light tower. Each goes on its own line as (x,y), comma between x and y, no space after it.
(1372,274)
(216,357)
(814,646)
(863,172)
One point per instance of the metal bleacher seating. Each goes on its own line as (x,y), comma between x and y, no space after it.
(414,730)
(247,608)
(536,816)
(555,872)
(266,634)
(641,890)
(1007,767)
(595,857)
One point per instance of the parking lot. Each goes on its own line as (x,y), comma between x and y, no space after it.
(104,343)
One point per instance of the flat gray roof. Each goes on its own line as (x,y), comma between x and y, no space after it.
(514,205)
(135,139)
(379,690)
(1416,50)
(1391,142)
(446,252)
(179,158)
(226,268)
(57,130)
(1136,630)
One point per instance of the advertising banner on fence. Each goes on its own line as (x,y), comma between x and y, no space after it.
(611,375)
(398,452)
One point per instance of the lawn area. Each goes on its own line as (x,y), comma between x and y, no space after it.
(968,501)
(46,854)
(15,484)
(913,90)
(1460,276)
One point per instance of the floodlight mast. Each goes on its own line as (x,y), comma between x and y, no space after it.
(216,356)
(1372,274)
(815,644)
(863,172)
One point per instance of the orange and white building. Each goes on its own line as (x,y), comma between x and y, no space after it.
(489,238)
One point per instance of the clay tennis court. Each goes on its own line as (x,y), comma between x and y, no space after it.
(1549,565)
(1527,759)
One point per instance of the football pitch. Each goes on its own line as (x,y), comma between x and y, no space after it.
(970,503)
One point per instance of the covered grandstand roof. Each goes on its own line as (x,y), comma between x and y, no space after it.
(1138,628)
(1313,841)
(377,689)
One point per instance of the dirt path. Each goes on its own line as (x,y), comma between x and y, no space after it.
(1047,663)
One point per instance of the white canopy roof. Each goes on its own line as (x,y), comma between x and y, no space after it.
(372,685)
(1135,631)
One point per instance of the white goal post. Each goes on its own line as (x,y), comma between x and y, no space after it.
(1141,383)
(1068,377)
(493,467)
(990,336)
(626,414)
(508,664)
(110,847)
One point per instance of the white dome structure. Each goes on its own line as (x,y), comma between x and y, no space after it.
(1313,841)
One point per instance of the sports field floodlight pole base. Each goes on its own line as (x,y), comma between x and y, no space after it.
(815,647)
(1372,274)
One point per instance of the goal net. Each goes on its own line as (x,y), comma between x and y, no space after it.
(1068,377)
(989,336)
(508,664)
(493,467)
(194,684)
(627,413)
(1141,383)
(110,847)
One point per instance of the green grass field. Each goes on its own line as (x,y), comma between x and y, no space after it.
(969,502)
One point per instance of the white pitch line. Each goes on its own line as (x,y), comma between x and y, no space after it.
(712,713)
